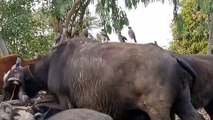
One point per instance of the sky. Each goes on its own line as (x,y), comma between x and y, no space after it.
(151,23)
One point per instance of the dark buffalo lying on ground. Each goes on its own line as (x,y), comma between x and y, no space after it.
(112,78)
(80,114)
(7,112)
(10,113)
(202,92)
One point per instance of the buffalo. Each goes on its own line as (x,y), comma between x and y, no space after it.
(201,91)
(7,62)
(112,78)
(80,114)
(10,113)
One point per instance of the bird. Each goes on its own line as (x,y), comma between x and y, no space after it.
(57,38)
(155,42)
(103,33)
(121,38)
(132,34)
(85,32)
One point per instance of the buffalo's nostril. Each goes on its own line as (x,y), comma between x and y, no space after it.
(15,82)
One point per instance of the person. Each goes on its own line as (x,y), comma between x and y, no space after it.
(104,34)
(132,34)
(121,38)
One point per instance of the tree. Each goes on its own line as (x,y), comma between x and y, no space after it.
(3,48)
(207,7)
(111,15)
(22,28)
(190,35)
(26,29)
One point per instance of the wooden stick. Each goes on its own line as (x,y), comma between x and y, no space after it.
(44,99)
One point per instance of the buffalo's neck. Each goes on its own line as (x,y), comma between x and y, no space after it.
(39,73)
(203,66)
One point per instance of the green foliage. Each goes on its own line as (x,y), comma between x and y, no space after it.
(206,5)
(26,29)
(112,15)
(20,27)
(60,8)
(190,33)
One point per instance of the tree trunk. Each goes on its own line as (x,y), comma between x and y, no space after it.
(210,41)
(68,19)
(83,10)
(0,57)
(3,47)
(58,25)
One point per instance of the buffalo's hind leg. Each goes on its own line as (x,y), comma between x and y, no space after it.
(209,109)
(183,106)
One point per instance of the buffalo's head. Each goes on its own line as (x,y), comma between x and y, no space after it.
(19,83)
(13,81)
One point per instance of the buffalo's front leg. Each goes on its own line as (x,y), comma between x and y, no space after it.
(156,105)
(64,102)
(22,95)
(183,107)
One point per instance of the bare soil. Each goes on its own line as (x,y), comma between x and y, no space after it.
(203,112)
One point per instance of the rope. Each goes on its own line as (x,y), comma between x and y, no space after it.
(13,93)
(30,72)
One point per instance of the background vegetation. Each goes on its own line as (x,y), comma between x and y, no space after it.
(29,26)
(190,34)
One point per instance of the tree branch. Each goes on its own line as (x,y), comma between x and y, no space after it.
(68,18)
(76,12)
(83,10)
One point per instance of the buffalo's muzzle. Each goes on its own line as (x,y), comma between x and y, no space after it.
(14,81)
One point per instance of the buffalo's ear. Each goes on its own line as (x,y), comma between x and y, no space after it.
(27,75)
(28,72)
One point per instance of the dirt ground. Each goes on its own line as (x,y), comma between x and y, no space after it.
(203,112)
